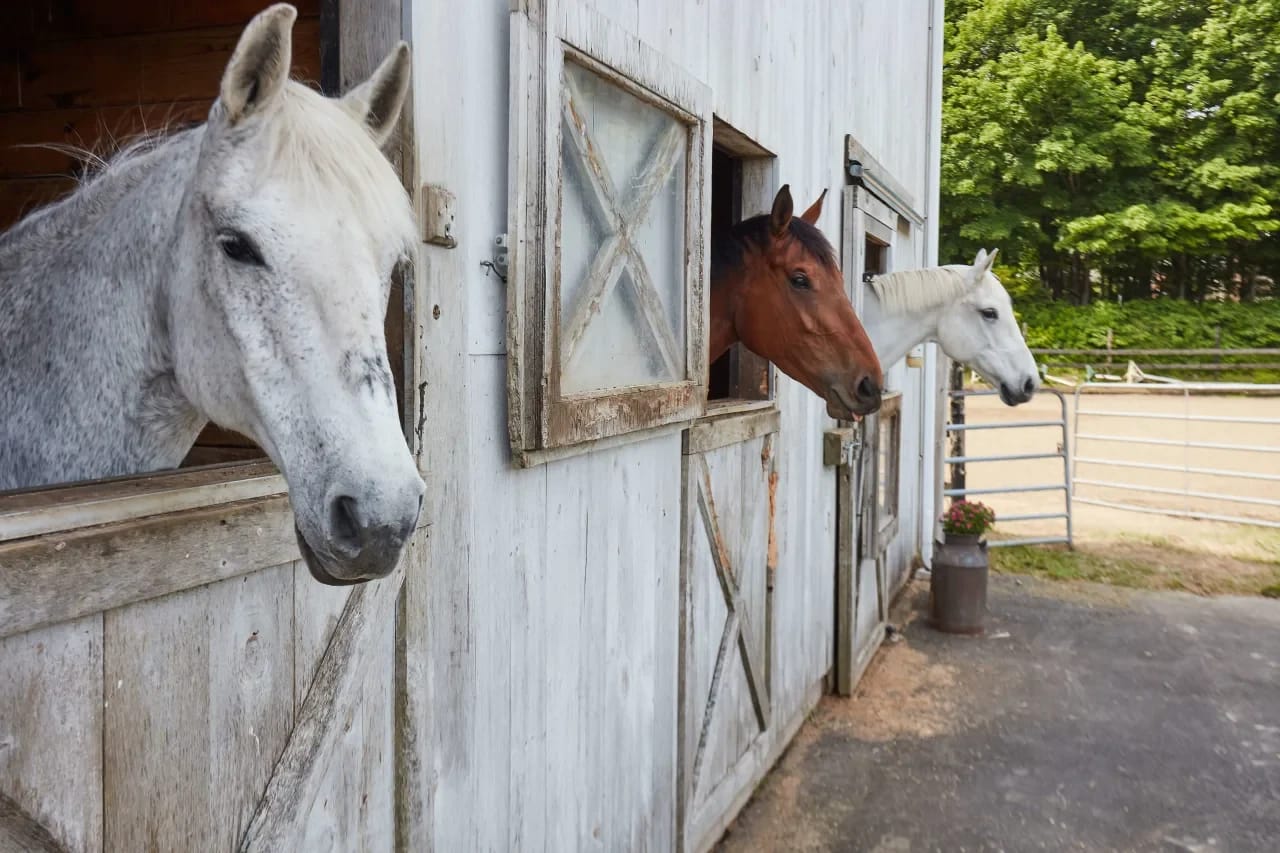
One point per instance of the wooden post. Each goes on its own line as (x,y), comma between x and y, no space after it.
(956,447)
(1110,341)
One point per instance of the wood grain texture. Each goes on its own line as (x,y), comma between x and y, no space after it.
(540,416)
(282,815)
(41,20)
(57,577)
(529,631)
(26,134)
(20,197)
(198,705)
(726,678)
(153,68)
(50,729)
(21,833)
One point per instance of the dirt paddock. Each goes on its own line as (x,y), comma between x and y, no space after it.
(1128,418)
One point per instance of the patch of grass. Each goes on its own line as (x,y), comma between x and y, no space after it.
(1079,565)
(1140,567)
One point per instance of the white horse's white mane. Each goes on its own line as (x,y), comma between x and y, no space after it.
(314,143)
(918,290)
(322,148)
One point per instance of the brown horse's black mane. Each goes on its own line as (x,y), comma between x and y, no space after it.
(727,248)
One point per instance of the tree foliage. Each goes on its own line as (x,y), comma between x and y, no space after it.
(1115,148)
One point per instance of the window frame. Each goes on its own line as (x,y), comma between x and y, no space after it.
(876,209)
(890,416)
(544,424)
(757,183)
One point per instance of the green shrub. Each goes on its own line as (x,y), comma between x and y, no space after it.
(1159,324)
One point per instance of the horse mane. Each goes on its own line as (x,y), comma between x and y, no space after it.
(728,248)
(312,141)
(323,149)
(918,290)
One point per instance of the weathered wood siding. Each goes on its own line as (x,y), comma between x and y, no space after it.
(157,725)
(549,662)
(523,689)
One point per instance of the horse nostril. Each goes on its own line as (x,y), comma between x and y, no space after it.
(1029,387)
(867,390)
(345,522)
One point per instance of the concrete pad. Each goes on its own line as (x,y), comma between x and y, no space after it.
(1087,718)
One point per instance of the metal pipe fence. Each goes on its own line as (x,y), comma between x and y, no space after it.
(1193,504)
(958,462)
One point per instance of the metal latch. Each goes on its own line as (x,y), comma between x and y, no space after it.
(840,446)
(500,255)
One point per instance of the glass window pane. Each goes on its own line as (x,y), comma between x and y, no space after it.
(622,283)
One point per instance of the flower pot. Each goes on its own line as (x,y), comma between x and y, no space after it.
(958,585)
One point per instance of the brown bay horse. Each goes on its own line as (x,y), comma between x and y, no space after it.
(777,288)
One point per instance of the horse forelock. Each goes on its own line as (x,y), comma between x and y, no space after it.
(918,290)
(328,157)
(728,252)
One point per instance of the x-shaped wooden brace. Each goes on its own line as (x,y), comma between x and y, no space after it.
(737,623)
(618,250)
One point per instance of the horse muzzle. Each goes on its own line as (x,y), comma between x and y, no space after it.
(846,405)
(360,543)
(1014,395)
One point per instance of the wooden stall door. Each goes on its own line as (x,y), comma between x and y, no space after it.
(253,711)
(727,563)
(862,606)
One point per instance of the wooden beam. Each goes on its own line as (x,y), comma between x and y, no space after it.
(77,505)
(20,833)
(335,693)
(711,433)
(57,577)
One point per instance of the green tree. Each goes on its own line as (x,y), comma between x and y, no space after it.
(1116,148)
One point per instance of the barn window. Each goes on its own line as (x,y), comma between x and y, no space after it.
(888,467)
(606,295)
(743,182)
(96,74)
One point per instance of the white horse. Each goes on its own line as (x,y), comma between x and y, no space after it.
(237,272)
(965,310)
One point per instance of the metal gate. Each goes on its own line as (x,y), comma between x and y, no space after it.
(1210,466)
(958,461)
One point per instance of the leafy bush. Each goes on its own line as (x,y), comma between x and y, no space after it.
(1151,324)
(1158,324)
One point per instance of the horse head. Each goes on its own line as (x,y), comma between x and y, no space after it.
(288,236)
(778,288)
(980,330)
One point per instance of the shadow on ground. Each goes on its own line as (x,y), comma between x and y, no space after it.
(1087,719)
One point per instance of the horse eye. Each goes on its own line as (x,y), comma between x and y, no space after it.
(989,313)
(800,281)
(240,248)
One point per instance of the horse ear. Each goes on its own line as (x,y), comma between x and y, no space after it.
(983,262)
(780,218)
(377,101)
(259,67)
(815,210)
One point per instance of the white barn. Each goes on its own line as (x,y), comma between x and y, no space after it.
(624,597)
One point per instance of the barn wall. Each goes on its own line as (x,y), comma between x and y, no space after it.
(549,654)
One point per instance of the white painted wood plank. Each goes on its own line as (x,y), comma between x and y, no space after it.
(50,729)
(198,707)
(21,833)
(316,611)
(353,651)
(354,806)
(54,578)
